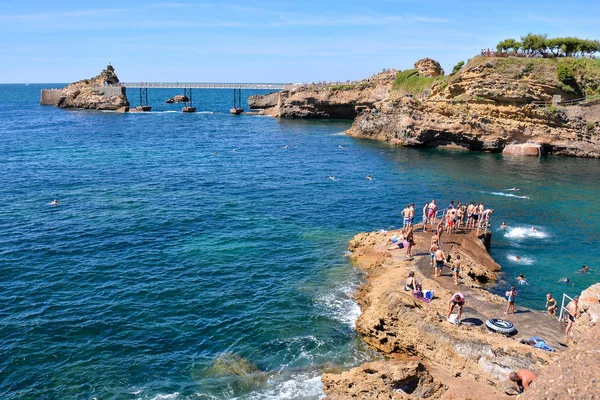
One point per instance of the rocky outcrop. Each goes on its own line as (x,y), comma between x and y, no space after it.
(440,360)
(383,380)
(177,99)
(574,374)
(95,94)
(263,101)
(488,105)
(428,67)
(339,101)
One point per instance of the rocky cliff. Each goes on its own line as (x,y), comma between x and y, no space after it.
(490,103)
(94,94)
(487,105)
(427,356)
(341,101)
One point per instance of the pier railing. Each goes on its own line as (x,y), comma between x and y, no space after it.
(563,308)
(201,85)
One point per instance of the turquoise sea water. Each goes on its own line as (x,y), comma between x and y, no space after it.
(169,248)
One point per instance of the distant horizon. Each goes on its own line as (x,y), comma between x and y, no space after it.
(265,42)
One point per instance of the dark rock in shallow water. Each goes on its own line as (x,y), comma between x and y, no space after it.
(177,99)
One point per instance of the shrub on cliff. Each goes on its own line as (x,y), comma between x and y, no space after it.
(410,81)
(539,44)
(457,67)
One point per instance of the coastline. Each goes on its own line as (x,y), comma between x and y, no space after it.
(434,358)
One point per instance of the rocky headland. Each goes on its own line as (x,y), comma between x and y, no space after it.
(487,105)
(90,94)
(427,357)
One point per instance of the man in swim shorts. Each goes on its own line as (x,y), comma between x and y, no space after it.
(425,216)
(456,269)
(573,312)
(432,249)
(551,304)
(431,211)
(470,211)
(457,300)
(411,214)
(439,261)
(406,216)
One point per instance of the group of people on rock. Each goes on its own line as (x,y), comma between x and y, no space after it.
(454,216)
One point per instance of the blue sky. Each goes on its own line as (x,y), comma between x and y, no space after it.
(264,41)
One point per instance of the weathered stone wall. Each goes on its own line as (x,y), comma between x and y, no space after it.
(50,97)
(111,90)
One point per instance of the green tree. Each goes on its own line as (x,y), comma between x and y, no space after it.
(457,67)
(535,43)
(508,44)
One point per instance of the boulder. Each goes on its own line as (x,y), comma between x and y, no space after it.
(178,99)
(429,67)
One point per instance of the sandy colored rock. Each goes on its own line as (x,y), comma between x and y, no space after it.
(429,67)
(466,360)
(383,380)
(93,94)
(525,150)
(487,105)
(340,101)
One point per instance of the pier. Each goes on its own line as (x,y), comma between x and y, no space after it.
(187,90)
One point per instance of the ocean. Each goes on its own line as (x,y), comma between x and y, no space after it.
(182,237)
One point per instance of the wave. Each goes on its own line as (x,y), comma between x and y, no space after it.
(509,195)
(522,233)
(296,386)
(342,133)
(339,305)
(522,261)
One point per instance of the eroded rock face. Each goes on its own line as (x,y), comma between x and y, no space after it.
(339,101)
(525,149)
(94,94)
(429,67)
(263,101)
(383,380)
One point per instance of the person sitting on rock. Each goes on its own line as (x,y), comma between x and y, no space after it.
(457,300)
(410,283)
(523,378)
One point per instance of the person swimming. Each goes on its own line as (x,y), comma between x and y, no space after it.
(332,177)
(286,147)
(533,229)
(504,225)
(564,280)
(584,270)
(54,202)
(521,279)
(369,177)
(341,147)
(518,258)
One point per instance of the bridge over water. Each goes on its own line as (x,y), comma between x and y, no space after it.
(187,91)
(202,85)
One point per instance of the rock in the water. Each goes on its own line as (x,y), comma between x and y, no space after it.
(231,364)
(524,149)
(178,99)
(95,93)
(429,67)
(263,101)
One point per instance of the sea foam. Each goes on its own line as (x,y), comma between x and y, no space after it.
(522,233)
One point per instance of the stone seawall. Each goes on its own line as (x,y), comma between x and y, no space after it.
(50,97)
(110,90)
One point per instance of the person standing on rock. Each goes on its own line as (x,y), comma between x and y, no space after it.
(457,300)
(456,269)
(573,313)
(432,249)
(510,295)
(450,218)
(409,237)
(523,378)
(432,209)
(406,216)
(411,215)
(470,211)
(425,217)
(439,262)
